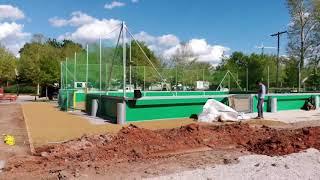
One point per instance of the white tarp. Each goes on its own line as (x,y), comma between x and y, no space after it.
(216,111)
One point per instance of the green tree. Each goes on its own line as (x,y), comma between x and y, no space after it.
(291,70)
(304,32)
(257,66)
(8,64)
(143,68)
(40,61)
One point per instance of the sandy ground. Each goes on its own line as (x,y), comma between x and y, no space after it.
(47,124)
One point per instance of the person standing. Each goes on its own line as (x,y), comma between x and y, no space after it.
(261,96)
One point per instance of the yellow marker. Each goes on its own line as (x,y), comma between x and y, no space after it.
(8,139)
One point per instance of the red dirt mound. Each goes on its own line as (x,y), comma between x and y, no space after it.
(280,142)
(132,143)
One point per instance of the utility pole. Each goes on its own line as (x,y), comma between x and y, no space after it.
(278,34)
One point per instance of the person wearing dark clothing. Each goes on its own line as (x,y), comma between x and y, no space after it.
(261,96)
(309,105)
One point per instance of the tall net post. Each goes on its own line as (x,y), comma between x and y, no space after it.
(61,75)
(124,58)
(87,67)
(130,68)
(100,63)
(75,68)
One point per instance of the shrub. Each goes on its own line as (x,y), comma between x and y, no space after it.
(23,89)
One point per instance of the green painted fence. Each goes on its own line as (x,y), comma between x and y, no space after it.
(79,96)
(285,101)
(151,108)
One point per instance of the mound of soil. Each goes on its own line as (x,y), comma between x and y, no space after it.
(133,143)
(272,142)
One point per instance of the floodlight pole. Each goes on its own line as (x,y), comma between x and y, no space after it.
(87,67)
(144,78)
(299,78)
(278,34)
(66,84)
(61,75)
(100,59)
(268,77)
(67,104)
(130,80)
(229,82)
(124,58)
(75,68)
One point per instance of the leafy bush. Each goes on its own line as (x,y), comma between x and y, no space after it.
(23,89)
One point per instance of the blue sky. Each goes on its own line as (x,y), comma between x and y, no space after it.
(233,24)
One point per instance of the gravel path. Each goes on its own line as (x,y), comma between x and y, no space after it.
(303,165)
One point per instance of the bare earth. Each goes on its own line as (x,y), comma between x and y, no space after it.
(12,123)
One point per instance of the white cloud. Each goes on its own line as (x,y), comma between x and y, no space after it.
(168,40)
(12,36)
(207,52)
(91,29)
(168,45)
(134,1)
(160,43)
(88,29)
(78,18)
(114,4)
(8,12)
(57,22)
(145,37)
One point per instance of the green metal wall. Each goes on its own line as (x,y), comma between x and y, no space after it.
(79,96)
(159,105)
(151,108)
(284,102)
(107,106)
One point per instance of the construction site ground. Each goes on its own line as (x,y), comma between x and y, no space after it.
(71,146)
(12,123)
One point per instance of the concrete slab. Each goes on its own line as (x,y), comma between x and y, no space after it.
(292,116)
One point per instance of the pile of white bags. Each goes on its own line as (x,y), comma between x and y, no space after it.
(216,111)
